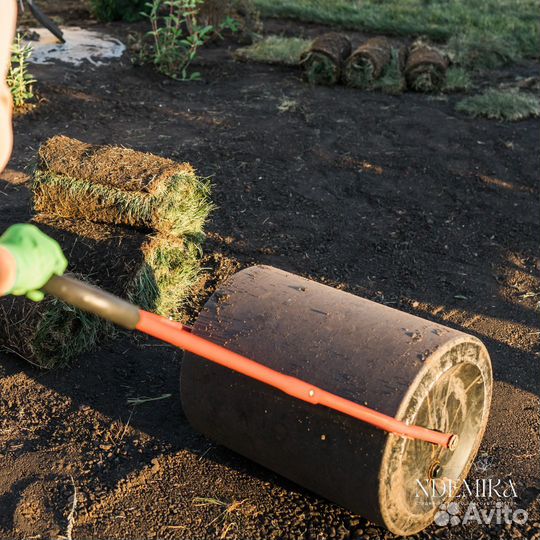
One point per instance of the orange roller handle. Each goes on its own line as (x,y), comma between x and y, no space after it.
(181,336)
(110,307)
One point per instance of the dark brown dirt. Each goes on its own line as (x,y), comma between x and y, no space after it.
(399,199)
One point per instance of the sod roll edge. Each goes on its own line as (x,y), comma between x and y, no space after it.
(425,68)
(323,61)
(367,63)
(117,185)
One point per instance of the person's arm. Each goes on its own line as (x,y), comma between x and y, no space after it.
(28,259)
(8,21)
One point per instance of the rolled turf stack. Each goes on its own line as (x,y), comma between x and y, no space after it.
(425,69)
(323,61)
(118,185)
(367,63)
(156,270)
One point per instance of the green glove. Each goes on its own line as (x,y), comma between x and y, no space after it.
(38,259)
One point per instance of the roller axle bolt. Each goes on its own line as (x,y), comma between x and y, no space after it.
(453,442)
(435,470)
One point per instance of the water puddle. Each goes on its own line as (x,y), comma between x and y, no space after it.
(94,47)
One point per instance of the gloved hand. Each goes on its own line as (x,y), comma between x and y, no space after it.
(37,256)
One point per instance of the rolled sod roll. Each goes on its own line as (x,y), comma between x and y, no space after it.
(156,272)
(367,63)
(425,68)
(323,61)
(110,184)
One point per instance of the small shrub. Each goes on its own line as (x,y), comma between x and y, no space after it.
(501,105)
(457,80)
(244,13)
(248,19)
(118,10)
(176,36)
(19,80)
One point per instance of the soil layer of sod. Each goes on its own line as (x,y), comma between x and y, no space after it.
(367,62)
(425,69)
(401,200)
(120,186)
(155,272)
(323,61)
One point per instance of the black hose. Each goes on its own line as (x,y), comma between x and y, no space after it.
(45,21)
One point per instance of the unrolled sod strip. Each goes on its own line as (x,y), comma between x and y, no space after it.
(157,272)
(274,50)
(367,63)
(119,186)
(425,69)
(323,61)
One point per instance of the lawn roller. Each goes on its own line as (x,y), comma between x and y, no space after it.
(377,410)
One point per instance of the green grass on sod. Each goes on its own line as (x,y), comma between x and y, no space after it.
(324,61)
(359,74)
(425,68)
(392,81)
(180,211)
(457,80)
(476,49)
(513,23)
(275,50)
(501,105)
(319,69)
(166,276)
(86,195)
(367,62)
(62,333)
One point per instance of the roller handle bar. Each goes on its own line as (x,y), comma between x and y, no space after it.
(93,300)
(108,306)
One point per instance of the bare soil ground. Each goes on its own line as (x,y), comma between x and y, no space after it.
(399,199)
